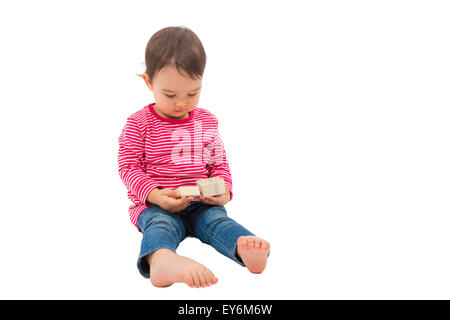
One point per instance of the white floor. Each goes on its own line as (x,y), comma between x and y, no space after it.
(334,115)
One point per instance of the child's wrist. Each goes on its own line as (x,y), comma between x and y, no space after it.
(154,196)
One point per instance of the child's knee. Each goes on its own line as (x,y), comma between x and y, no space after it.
(215,215)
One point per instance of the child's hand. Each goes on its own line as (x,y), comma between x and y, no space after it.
(219,200)
(170,201)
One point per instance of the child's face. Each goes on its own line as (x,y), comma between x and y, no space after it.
(175,94)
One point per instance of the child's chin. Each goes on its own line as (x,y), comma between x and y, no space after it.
(178,116)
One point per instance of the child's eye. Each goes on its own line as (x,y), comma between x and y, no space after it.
(190,95)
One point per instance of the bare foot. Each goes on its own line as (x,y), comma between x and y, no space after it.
(253,252)
(166,268)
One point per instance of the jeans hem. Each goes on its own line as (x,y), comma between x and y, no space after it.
(235,257)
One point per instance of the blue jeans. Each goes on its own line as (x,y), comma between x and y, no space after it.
(210,224)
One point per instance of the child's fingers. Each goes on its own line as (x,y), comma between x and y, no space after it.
(170,193)
(210,200)
(182,203)
(203,199)
(186,200)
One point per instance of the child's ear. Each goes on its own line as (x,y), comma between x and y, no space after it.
(147,81)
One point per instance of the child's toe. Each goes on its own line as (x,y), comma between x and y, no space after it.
(263,245)
(251,243)
(257,243)
(189,280)
(243,243)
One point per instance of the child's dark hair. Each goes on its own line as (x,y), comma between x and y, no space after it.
(177,46)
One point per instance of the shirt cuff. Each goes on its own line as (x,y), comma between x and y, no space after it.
(144,190)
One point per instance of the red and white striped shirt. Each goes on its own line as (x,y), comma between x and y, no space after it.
(156,152)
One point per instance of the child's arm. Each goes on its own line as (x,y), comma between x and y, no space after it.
(132,172)
(131,161)
(218,165)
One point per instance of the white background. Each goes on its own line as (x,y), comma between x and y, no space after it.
(335,118)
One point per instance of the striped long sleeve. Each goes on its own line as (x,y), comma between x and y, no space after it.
(132,162)
(218,165)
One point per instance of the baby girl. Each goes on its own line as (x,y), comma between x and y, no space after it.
(172,143)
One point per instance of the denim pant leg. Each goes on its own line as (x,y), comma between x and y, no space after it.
(214,227)
(161,229)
